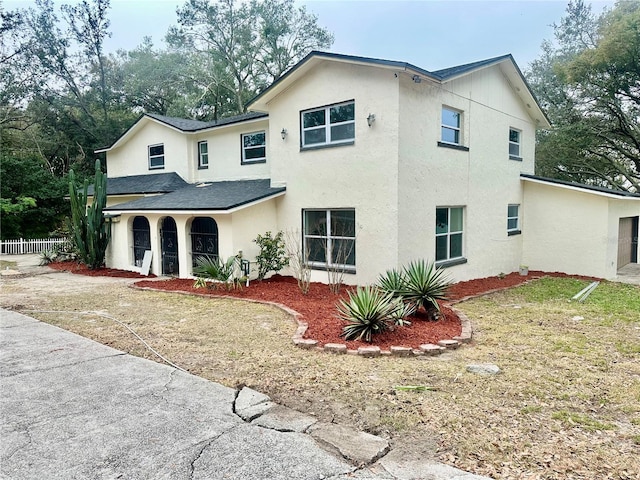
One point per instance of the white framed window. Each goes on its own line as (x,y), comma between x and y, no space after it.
(513,219)
(449,233)
(514,144)
(330,238)
(331,125)
(203,154)
(254,147)
(451,126)
(156,156)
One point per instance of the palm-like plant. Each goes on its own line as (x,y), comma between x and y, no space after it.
(369,311)
(424,284)
(216,269)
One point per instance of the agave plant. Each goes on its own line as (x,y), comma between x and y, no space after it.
(403,310)
(369,311)
(424,285)
(392,281)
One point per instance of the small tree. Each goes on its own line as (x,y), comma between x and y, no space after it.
(89,230)
(272,256)
(298,260)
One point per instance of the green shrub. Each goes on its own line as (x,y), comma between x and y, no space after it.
(272,256)
(368,311)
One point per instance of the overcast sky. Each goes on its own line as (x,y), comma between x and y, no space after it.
(431,34)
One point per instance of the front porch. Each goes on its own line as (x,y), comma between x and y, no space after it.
(630,273)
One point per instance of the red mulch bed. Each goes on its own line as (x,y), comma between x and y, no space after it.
(82,269)
(318,307)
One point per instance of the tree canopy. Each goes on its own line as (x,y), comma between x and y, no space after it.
(588,80)
(62,96)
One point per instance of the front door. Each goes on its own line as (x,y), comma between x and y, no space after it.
(169,236)
(627,241)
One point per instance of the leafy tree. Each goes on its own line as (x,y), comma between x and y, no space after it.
(32,198)
(247,45)
(589,83)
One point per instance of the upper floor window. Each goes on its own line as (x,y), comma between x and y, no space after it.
(513,219)
(203,155)
(449,233)
(330,238)
(156,156)
(451,126)
(331,125)
(254,147)
(514,144)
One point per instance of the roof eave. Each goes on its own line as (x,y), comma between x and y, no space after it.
(579,188)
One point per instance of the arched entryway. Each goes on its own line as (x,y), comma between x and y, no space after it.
(204,238)
(169,246)
(141,239)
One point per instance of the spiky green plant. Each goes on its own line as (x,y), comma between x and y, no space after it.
(217,269)
(392,281)
(368,311)
(425,284)
(90,231)
(404,310)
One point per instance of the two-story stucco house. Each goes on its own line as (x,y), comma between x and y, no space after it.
(374,163)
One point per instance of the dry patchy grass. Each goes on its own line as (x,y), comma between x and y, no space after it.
(566,405)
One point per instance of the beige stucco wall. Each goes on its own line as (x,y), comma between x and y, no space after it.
(572,231)
(225,154)
(483,180)
(181,152)
(362,176)
(132,157)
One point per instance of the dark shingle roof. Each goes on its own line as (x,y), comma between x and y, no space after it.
(187,125)
(620,193)
(446,73)
(143,184)
(205,196)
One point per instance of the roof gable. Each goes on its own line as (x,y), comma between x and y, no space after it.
(183,125)
(506,63)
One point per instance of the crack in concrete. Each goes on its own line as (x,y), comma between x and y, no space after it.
(205,444)
(65,365)
(21,429)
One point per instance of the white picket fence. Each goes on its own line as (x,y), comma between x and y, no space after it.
(21,246)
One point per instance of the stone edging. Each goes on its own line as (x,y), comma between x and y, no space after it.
(425,350)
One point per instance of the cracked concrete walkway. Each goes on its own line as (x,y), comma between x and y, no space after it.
(71,408)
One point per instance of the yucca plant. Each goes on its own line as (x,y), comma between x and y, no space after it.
(425,284)
(404,310)
(392,281)
(368,311)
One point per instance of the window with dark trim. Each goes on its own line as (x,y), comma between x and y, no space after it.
(449,233)
(330,238)
(203,155)
(450,129)
(513,219)
(254,147)
(156,156)
(514,144)
(330,125)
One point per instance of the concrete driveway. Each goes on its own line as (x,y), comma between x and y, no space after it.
(71,408)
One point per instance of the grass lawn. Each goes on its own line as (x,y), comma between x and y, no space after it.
(566,405)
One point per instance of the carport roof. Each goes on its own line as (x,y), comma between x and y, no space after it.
(205,196)
(582,186)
